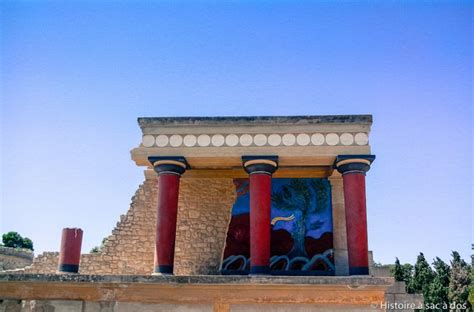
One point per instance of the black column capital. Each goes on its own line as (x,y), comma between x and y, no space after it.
(169,164)
(260,164)
(353,163)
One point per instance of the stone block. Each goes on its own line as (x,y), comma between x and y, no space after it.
(52,306)
(102,306)
(8,305)
(158,307)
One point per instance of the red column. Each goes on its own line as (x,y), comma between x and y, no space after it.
(260,171)
(169,171)
(353,169)
(70,250)
(168,190)
(356,223)
(260,191)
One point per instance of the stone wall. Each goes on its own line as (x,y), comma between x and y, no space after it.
(203,216)
(13,258)
(213,293)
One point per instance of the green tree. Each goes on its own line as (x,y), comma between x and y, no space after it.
(12,239)
(403,273)
(437,292)
(423,276)
(397,271)
(27,243)
(471,288)
(98,249)
(459,280)
(95,249)
(15,240)
(308,196)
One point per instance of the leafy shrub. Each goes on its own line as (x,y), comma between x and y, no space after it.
(15,240)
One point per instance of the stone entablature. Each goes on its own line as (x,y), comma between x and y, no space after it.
(219,142)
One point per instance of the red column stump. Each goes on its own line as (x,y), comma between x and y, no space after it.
(70,250)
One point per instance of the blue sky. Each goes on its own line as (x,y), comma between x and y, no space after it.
(76,75)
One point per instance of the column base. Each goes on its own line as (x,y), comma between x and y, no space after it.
(161,274)
(68,268)
(358,271)
(163,270)
(259,270)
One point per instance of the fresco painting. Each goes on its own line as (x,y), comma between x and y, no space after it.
(301,228)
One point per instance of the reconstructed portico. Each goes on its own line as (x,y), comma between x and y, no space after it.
(235,214)
(262,148)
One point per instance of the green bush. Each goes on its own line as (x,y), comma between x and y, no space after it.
(15,240)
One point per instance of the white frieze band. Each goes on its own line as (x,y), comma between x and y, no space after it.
(260,139)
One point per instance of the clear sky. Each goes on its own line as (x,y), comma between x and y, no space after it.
(76,75)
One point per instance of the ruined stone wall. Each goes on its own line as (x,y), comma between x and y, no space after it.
(12,258)
(129,249)
(47,262)
(203,216)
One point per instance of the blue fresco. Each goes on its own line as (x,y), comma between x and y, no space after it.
(301,226)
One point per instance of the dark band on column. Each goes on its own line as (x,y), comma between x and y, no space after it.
(260,164)
(260,269)
(165,269)
(358,270)
(353,163)
(169,164)
(69,268)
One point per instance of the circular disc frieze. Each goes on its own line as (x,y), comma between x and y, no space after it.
(231,140)
(218,140)
(361,138)
(289,139)
(317,139)
(162,140)
(246,140)
(260,139)
(332,139)
(148,140)
(303,139)
(274,139)
(204,140)
(347,139)
(190,140)
(176,140)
